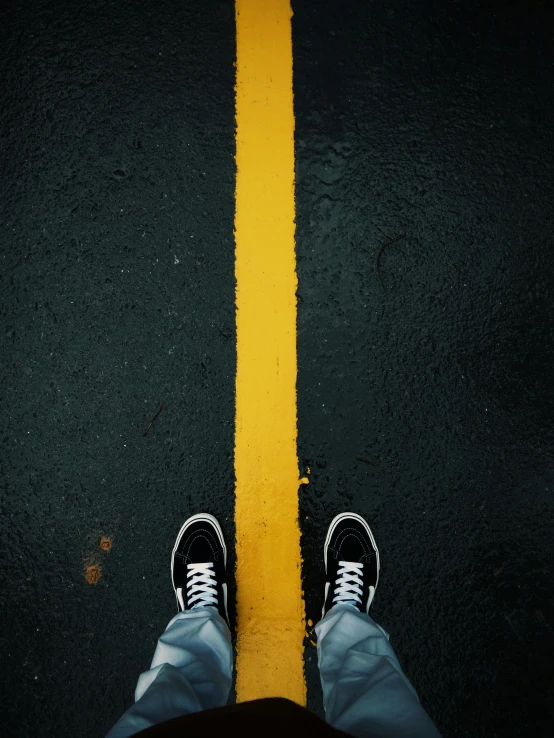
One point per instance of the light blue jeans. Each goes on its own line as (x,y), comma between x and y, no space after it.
(365,691)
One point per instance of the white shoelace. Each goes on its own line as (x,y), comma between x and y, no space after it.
(201,586)
(349,583)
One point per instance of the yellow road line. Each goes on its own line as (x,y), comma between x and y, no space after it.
(270,604)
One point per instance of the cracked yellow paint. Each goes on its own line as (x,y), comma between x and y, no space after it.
(269,595)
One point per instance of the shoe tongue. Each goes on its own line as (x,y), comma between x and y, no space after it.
(352,553)
(346,554)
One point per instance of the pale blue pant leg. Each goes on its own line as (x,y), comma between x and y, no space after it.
(191,671)
(365,691)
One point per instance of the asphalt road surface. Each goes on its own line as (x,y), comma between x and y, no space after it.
(424,190)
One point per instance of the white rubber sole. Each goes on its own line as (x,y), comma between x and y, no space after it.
(195,519)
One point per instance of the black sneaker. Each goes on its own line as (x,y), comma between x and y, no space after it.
(198,566)
(351,563)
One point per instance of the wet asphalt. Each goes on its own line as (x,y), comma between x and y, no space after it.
(425,385)
(425,390)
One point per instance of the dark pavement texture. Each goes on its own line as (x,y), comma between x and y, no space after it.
(433,120)
(427,119)
(117,284)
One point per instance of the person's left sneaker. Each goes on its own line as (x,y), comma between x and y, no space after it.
(198,566)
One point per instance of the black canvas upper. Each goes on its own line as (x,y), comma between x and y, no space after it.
(199,543)
(350,541)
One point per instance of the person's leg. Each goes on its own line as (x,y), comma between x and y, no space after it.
(191,671)
(192,665)
(365,691)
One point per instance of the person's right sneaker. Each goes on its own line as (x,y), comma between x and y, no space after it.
(351,563)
